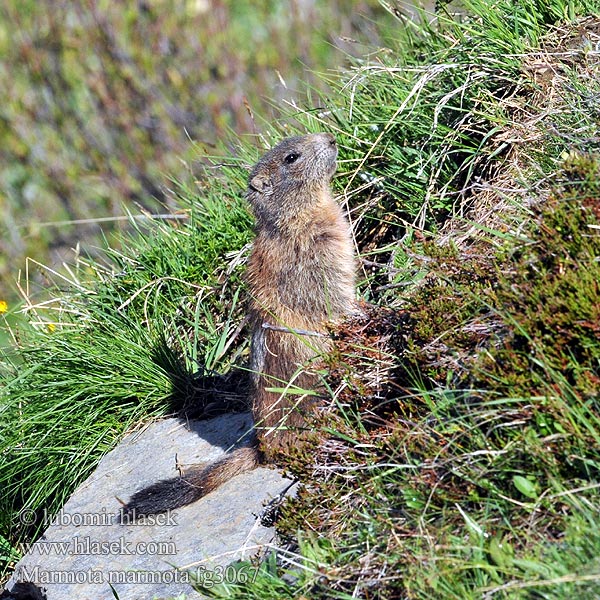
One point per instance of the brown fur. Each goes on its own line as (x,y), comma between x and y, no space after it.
(300,276)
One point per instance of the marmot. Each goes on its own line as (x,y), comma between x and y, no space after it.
(301,275)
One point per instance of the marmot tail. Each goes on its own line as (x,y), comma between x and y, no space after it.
(200,480)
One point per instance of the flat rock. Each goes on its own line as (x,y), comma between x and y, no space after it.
(86,547)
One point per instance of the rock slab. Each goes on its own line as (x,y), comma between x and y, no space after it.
(87,548)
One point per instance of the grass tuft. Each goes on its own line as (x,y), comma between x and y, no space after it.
(115,344)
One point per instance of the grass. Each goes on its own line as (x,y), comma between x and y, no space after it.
(124,343)
(459,447)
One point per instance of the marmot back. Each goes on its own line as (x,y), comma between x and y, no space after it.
(301,276)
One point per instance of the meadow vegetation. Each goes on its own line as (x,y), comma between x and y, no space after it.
(458,453)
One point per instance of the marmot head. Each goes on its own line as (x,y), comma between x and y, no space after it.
(290,176)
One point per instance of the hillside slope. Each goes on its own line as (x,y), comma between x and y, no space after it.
(459,450)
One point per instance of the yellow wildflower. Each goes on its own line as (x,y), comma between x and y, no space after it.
(3,306)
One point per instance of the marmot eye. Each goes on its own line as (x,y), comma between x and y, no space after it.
(290,158)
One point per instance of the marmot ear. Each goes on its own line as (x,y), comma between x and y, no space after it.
(261,184)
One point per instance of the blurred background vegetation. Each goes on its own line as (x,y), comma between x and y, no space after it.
(101,99)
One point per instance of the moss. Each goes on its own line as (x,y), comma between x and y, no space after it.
(550,294)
